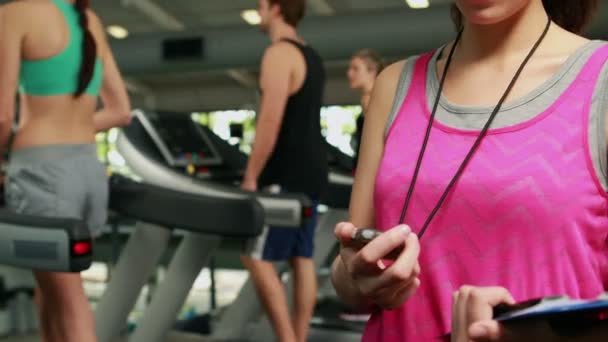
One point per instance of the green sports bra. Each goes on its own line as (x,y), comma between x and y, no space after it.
(58,75)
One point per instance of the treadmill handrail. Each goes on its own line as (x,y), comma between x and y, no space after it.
(75,229)
(341,178)
(188,211)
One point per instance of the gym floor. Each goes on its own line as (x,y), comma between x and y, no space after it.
(228,284)
(173,337)
(182,337)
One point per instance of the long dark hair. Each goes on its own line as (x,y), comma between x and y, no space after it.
(572,15)
(89,49)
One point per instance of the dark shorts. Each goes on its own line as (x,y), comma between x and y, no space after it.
(280,244)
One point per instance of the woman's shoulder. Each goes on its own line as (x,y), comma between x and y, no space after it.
(24,9)
(25,5)
(384,92)
(396,73)
(392,73)
(389,77)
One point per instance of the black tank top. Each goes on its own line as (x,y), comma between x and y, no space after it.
(299,160)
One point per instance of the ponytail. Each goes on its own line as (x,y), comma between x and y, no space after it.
(89,49)
(572,15)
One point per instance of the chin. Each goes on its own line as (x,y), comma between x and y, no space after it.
(488,12)
(354,86)
(483,19)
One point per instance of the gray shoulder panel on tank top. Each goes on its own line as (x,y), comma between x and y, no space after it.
(524,108)
(405,79)
(597,127)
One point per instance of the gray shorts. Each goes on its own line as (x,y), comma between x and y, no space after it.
(59,181)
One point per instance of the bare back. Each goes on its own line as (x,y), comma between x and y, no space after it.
(57,119)
(298,69)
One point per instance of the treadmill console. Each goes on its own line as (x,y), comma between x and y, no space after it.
(179,139)
(155,167)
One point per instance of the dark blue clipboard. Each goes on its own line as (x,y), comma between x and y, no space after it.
(552,307)
(565,316)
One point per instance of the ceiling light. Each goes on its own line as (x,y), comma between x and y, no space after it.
(251,16)
(416,4)
(117,32)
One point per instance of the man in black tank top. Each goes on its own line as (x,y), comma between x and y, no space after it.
(288,154)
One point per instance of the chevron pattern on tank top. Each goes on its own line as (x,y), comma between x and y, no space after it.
(528,213)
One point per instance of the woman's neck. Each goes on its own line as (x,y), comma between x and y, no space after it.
(499,41)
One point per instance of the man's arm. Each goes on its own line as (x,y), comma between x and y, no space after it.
(275,77)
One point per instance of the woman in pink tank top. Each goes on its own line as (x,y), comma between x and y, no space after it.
(526,215)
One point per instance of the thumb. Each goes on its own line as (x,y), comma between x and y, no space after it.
(486,331)
(344,232)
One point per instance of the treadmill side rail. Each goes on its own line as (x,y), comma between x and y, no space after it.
(45,244)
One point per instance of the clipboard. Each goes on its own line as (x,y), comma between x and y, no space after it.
(567,317)
(554,307)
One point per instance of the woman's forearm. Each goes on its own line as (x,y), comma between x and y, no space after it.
(105,119)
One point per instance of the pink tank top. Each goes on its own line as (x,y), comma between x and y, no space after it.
(529,212)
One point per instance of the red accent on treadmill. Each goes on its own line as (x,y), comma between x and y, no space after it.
(308,212)
(81,248)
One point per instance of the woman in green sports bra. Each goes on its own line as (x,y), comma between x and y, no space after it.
(55,53)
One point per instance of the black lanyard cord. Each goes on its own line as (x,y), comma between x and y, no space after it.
(477,142)
(428,132)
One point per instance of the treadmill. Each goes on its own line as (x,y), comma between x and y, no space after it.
(244,318)
(162,199)
(160,147)
(159,210)
(326,324)
(44,243)
(326,316)
(51,244)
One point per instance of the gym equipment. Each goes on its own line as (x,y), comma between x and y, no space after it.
(28,242)
(185,147)
(44,243)
(327,315)
(158,210)
(17,309)
(172,143)
(244,318)
(166,198)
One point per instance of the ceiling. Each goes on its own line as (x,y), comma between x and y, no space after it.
(220,87)
(193,14)
(226,76)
